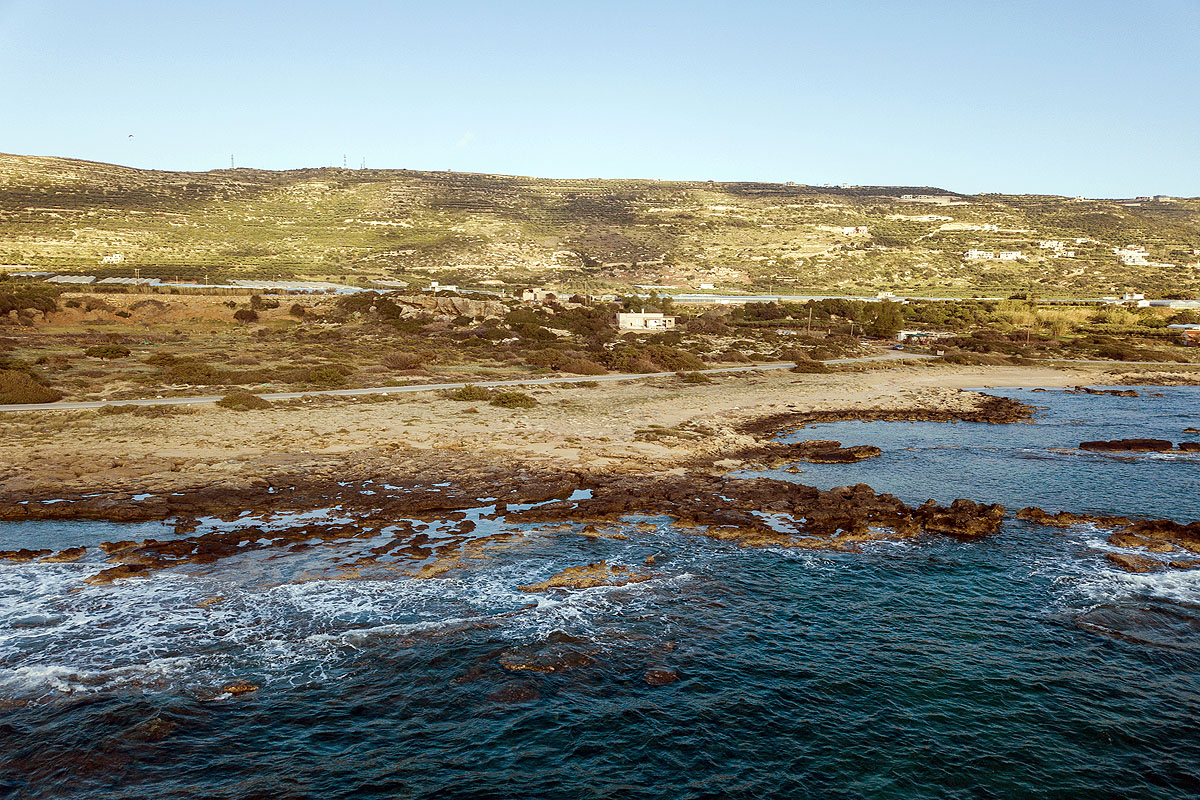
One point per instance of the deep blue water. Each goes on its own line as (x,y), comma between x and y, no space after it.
(1020,666)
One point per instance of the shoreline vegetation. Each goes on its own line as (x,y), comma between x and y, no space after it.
(574,456)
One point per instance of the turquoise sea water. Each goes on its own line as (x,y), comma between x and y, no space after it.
(1020,666)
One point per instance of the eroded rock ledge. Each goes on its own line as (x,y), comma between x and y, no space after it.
(1159,536)
(981,408)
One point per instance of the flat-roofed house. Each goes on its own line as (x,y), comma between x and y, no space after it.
(645,321)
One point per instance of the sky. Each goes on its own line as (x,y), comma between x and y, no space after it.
(1093,98)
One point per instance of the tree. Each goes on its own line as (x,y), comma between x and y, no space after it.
(887,320)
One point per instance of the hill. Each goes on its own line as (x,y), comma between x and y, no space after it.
(63,214)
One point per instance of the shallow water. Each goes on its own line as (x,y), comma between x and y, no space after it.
(1014,667)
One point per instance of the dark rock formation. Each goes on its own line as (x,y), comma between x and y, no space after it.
(1128,445)
(1112,392)
(995,410)
(774,454)
(23,555)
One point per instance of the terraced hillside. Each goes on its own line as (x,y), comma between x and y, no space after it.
(67,215)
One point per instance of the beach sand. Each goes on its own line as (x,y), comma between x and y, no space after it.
(636,426)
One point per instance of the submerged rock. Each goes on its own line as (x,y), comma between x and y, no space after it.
(660,677)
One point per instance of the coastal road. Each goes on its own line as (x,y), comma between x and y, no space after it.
(889,355)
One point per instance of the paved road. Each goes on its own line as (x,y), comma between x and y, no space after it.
(432,387)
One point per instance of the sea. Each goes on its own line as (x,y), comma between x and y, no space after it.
(1022,665)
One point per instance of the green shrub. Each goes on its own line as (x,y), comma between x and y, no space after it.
(21,387)
(469,393)
(193,372)
(160,359)
(243,401)
(512,400)
(107,351)
(326,376)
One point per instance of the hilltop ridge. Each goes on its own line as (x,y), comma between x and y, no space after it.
(71,215)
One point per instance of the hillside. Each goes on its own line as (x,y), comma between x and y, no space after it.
(62,214)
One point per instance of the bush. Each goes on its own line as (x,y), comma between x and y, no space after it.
(161,359)
(513,400)
(469,393)
(258,304)
(245,316)
(693,377)
(151,412)
(810,366)
(326,376)
(243,401)
(124,314)
(298,310)
(193,372)
(21,387)
(660,357)
(107,351)
(402,361)
(566,361)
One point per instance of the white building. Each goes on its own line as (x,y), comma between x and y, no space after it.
(435,287)
(1132,256)
(854,230)
(1009,255)
(115,258)
(979,255)
(645,321)
(708,286)
(538,296)
(1052,244)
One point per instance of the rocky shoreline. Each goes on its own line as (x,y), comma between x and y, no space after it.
(395,492)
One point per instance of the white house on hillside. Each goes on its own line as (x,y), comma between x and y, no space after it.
(645,321)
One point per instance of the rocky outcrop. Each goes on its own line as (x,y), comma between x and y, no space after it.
(1139,446)
(413,305)
(774,454)
(986,408)
(588,577)
(23,555)
(1135,563)
(1111,392)
(1128,445)
(1150,535)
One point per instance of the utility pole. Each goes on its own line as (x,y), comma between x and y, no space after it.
(231,161)
(343,160)
(810,319)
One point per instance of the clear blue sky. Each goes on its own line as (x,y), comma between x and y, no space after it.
(1097,98)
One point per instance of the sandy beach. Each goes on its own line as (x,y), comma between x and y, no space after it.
(645,427)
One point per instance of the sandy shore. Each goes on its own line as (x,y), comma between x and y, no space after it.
(646,427)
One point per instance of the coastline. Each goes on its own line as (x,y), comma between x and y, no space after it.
(644,427)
